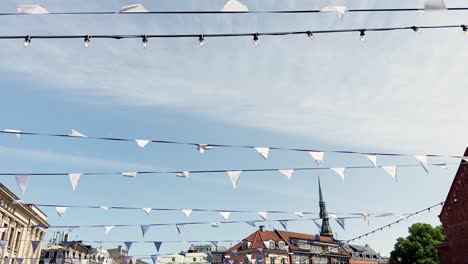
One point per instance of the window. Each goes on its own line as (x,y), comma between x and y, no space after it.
(298,259)
(52,254)
(173,258)
(333,249)
(272,245)
(10,241)
(303,244)
(281,244)
(194,259)
(339,261)
(4,235)
(316,249)
(246,260)
(18,240)
(259,259)
(320,260)
(283,261)
(272,260)
(59,254)
(245,245)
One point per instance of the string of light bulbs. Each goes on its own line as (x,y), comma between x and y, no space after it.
(204,147)
(255,35)
(428,209)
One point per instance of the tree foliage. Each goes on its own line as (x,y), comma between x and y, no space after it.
(419,246)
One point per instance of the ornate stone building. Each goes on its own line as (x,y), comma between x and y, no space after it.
(20,224)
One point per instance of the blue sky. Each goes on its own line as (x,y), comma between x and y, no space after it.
(398,92)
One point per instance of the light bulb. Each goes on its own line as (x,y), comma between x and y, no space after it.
(255,40)
(310,35)
(363,35)
(27,41)
(87,41)
(465,30)
(201,39)
(144,41)
(417,30)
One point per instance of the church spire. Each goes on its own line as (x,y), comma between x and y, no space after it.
(326,229)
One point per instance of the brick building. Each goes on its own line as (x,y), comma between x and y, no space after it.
(454,218)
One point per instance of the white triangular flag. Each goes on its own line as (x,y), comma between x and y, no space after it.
(423,161)
(225,215)
(75,133)
(300,214)
(31,9)
(131,174)
(108,228)
(365,217)
(105,208)
(317,156)
(22,181)
(263,215)
(203,147)
(187,212)
(249,256)
(234,6)
(263,152)
(60,210)
(17,132)
(147,210)
(434,5)
(340,10)
(234,176)
(46,260)
(74,179)
(183,174)
(392,170)
(287,172)
(136,8)
(142,142)
(372,159)
(339,171)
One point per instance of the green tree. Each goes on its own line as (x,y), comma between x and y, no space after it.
(420,246)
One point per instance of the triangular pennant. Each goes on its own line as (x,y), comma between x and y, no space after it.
(203,147)
(20,261)
(154,258)
(31,9)
(260,250)
(74,179)
(225,215)
(263,152)
(317,237)
(157,245)
(284,223)
(105,208)
(108,228)
(183,174)
(3,244)
(339,171)
(179,227)
(75,133)
(263,215)
(127,259)
(35,244)
(234,251)
(391,170)
(234,6)
(249,256)
(131,174)
(341,222)
(147,210)
(46,260)
(22,181)
(319,226)
(128,245)
(365,217)
(287,172)
(15,131)
(372,159)
(317,156)
(142,142)
(187,212)
(434,5)
(134,260)
(300,214)
(250,223)
(234,176)
(66,244)
(60,210)
(144,229)
(423,161)
(136,8)
(215,243)
(340,10)
(254,261)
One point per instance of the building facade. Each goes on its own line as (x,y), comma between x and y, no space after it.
(364,255)
(20,224)
(454,218)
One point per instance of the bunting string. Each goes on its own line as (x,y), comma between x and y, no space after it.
(395,222)
(202,147)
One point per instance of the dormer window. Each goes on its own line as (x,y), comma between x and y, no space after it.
(245,245)
(272,244)
(281,245)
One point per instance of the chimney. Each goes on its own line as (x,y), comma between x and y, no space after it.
(261,228)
